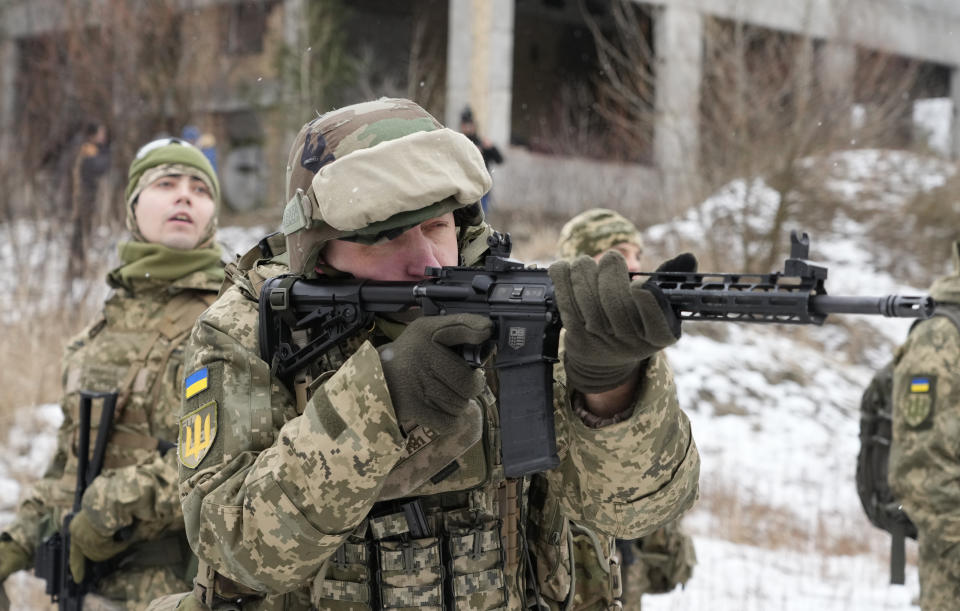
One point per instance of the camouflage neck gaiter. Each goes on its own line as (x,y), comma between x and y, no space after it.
(146,260)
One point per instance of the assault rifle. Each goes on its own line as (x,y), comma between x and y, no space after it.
(301,319)
(53,555)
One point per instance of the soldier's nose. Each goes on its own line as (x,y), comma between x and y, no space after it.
(419,253)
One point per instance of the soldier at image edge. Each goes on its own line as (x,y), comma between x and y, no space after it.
(664,559)
(925,454)
(129,533)
(376,481)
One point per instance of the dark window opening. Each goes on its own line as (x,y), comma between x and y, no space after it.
(562,101)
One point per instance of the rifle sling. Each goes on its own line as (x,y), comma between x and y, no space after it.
(898,558)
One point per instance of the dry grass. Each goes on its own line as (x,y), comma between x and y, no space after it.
(30,360)
(739,518)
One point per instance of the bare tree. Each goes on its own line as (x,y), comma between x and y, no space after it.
(426,67)
(315,71)
(625,89)
(121,67)
(763,109)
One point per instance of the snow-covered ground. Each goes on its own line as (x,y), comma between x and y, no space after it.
(732,577)
(774,411)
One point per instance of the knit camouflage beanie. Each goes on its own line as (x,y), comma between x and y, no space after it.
(596,231)
(162,158)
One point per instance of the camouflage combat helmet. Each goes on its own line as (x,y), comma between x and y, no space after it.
(595,231)
(370,171)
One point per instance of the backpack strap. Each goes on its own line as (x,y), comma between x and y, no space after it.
(898,554)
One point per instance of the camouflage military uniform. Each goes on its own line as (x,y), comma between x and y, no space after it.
(297,503)
(660,561)
(135,348)
(925,455)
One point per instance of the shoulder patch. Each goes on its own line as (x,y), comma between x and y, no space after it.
(198,429)
(918,403)
(196,382)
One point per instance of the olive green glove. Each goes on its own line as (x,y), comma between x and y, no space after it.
(429,383)
(13,557)
(612,324)
(86,542)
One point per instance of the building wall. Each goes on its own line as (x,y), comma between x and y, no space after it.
(922,29)
(487,69)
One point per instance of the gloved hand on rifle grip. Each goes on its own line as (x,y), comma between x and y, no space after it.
(612,323)
(13,557)
(86,542)
(429,382)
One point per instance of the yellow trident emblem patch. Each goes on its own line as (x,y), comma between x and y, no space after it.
(198,429)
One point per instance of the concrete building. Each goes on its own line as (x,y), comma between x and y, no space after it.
(511,61)
(924,30)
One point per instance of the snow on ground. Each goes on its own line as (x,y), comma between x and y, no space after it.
(774,411)
(932,117)
(731,577)
(27,447)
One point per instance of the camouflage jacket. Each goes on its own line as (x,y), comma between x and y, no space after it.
(290,509)
(135,347)
(925,454)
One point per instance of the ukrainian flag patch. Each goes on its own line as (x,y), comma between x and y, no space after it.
(916,404)
(196,382)
(920,385)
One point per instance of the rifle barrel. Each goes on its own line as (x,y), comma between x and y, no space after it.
(900,306)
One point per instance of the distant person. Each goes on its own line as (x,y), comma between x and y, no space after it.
(665,558)
(205,141)
(130,530)
(491,154)
(89,167)
(207,144)
(925,454)
(190,133)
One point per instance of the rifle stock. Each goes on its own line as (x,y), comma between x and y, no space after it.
(521,303)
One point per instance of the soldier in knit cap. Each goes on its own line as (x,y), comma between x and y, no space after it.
(129,532)
(660,561)
(596,231)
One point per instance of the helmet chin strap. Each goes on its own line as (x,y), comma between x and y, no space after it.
(329,271)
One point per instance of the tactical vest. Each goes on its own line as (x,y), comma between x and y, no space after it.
(467,538)
(135,348)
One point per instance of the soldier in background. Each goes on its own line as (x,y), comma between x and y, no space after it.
(170,272)
(665,558)
(491,154)
(375,480)
(925,454)
(89,167)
